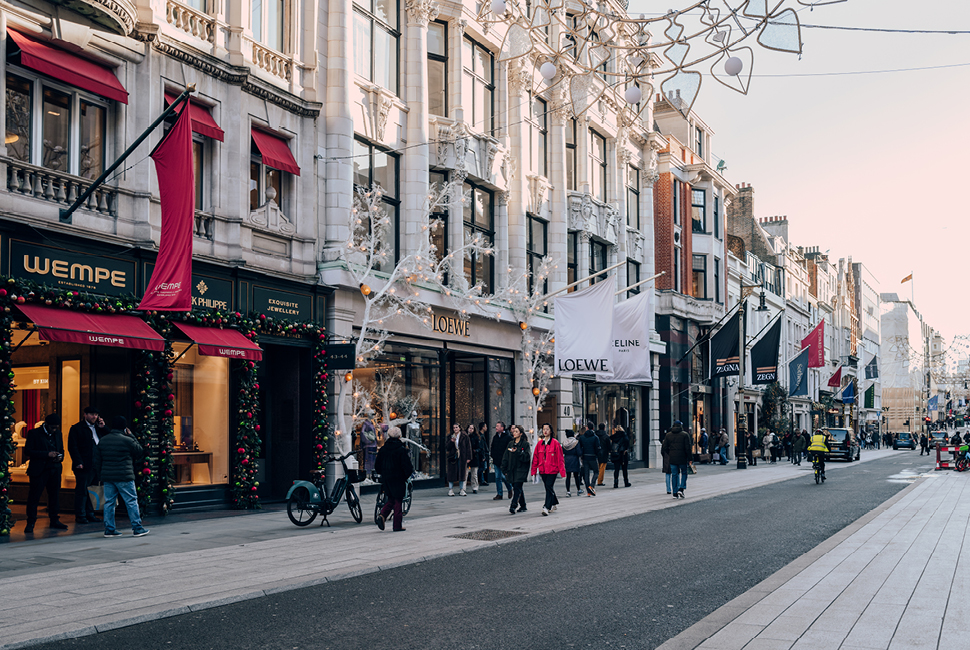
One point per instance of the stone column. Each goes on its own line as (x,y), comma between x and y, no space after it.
(519,85)
(558,203)
(417,156)
(339,167)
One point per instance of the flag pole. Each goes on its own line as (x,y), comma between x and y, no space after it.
(634,286)
(65,213)
(588,277)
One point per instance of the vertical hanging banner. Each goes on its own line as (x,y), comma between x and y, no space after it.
(872,368)
(764,356)
(870,401)
(836,380)
(848,395)
(631,340)
(170,288)
(815,342)
(798,375)
(725,359)
(584,330)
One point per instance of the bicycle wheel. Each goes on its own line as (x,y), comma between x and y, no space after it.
(354,504)
(379,505)
(298,507)
(407,499)
(818,474)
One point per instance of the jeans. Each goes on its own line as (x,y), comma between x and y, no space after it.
(722,451)
(500,480)
(549,481)
(590,466)
(667,476)
(127,491)
(518,498)
(678,477)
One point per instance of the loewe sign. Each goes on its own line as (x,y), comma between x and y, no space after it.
(451,325)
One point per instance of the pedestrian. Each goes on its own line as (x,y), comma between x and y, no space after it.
(924,444)
(723,443)
(798,450)
(548,463)
(590,446)
(704,440)
(604,454)
(751,441)
(81,440)
(45,452)
(666,465)
(677,445)
(515,466)
(767,443)
(474,457)
(712,443)
(484,459)
(114,460)
(620,456)
(573,457)
(808,441)
(500,442)
(457,452)
(393,463)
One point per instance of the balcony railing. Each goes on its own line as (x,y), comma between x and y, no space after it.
(204,225)
(272,61)
(58,187)
(191,21)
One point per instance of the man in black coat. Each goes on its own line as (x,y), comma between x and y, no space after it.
(81,441)
(620,456)
(677,446)
(604,456)
(590,446)
(45,450)
(500,442)
(393,463)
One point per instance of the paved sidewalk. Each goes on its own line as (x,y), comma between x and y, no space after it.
(896,579)
(192,565)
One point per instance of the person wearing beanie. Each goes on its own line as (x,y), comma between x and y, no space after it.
(114,457)
(393,463)
(677,447)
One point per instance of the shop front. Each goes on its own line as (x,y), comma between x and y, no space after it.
(228,400)
(615,405)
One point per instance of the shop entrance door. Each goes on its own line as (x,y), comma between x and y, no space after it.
(466,390)
(286,417)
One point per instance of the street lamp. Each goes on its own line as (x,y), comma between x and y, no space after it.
(746,290)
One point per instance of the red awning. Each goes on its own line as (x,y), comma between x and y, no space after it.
(115,330)
(202,121)
(215,342)
(276,153)
(69,68)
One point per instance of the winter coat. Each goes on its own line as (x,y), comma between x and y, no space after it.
(677,445)
(115,455)
(724,441)
(517,459)
(475,443)
(395,467)
(499,444)
(37,449)
(799,445)
(619,446)
(666,459)
(548,458)
(589,444)
(604,439)
(457,458)
(572,455)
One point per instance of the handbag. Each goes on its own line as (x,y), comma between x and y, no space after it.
(756,453)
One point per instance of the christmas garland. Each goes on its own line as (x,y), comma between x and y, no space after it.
(7,445)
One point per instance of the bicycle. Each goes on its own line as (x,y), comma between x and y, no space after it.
(382,499)
(817,467)
(963,461)
(306,499)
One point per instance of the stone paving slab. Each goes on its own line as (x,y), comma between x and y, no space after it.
(895,579)
(189,579)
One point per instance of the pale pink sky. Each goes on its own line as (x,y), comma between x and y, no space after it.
(870,166)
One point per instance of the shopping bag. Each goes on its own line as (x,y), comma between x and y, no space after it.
(96,494)
(691,469)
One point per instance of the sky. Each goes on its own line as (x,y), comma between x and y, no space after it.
(869,166)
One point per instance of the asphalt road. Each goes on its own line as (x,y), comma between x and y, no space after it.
(629,583)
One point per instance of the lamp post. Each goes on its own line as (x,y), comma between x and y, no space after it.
(742,345)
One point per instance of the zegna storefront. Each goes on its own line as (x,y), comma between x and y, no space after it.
(228,400)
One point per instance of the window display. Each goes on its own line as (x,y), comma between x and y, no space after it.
(201,427)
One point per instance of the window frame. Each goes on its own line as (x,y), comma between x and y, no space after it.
(601,249)
(389,201)
(633,197)
(701,226)
(260,35)
(677,282)
(717,281)
(675,194)
(694,273)
(572,154)
(632,277)
(540,122)
(477,79)
(443,59)
(572,258)
(716,216)
(534,257)
(394,33)
(35,152)
(602,172)
(489,232)
(699,141)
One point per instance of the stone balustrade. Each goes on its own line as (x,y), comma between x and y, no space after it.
(58,187)
(191,21)
(272,61)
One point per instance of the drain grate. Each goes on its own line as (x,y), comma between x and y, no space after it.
(487,535)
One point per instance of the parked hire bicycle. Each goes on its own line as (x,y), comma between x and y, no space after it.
(382,499)
(307,499)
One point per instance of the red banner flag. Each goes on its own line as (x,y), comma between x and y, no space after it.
(170,288)
(816,344)
(836,380)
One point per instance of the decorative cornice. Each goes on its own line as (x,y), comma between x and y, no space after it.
(421,12)
(118,16)
(288,102)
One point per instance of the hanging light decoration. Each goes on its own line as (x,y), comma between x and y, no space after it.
(733,66)
(548,70)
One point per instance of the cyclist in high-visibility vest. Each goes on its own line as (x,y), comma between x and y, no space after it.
(818,448)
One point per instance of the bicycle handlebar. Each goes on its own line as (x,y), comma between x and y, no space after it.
(329,457)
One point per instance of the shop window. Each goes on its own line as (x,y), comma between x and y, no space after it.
(479,221)
(53,126)
(438,68)
(201,388)
(615,405)
(31,384)
(375,166)
(479,84)
(377,41)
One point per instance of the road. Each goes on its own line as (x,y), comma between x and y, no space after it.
(629,583)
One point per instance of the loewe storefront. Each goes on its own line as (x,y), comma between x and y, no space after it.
(225,399)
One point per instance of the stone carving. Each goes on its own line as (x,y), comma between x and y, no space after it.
(269,217)
(443,137)
(538,186)
(634,244)
(421,12)
(462,137)
(520,78)
(459,27)
(612,230)
(561,102)
(491,148)
(581,215)
(508,166)
(383,110)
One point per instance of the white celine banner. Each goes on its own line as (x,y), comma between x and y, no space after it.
(631,340)
(584,328)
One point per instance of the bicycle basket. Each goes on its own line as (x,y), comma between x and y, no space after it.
(356,475)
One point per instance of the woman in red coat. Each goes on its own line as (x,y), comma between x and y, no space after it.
(548,462)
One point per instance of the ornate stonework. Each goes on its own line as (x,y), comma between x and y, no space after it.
(383,110)
(421,12)
(538,187)
(459,27)
(270,218)
(520,78)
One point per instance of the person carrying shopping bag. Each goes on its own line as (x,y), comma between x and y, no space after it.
(548,463)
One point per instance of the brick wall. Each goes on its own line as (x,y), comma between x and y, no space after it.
(686,264)
(663,230)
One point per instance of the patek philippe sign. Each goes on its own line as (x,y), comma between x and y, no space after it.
(282,304)
(450,325)
(71,270)
(207,292)
(584,331)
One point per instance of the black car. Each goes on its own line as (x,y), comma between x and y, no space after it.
(842,445)
(904,440)
(938,437)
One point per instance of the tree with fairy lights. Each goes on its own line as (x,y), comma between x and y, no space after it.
(404,289)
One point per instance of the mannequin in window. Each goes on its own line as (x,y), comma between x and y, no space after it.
(368,443)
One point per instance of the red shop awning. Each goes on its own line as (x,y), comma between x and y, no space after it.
(114,330)
(65,66)
(202,121)
(215,342)
(276,153)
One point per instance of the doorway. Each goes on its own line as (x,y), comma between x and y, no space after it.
(286,407)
